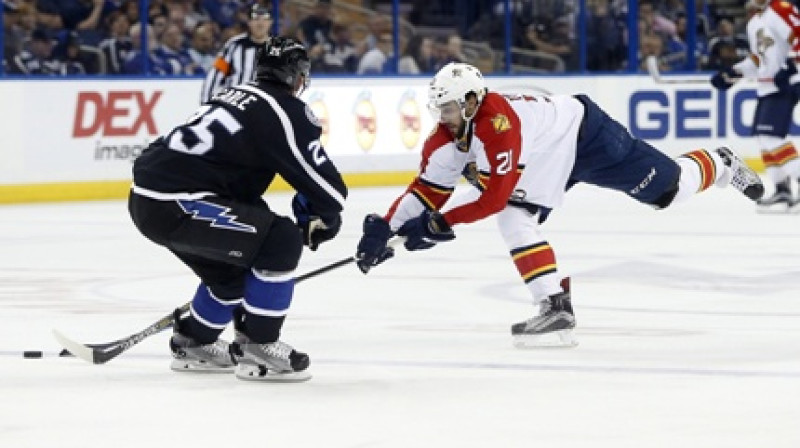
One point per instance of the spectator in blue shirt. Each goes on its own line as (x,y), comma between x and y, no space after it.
(135,64)
(173,52)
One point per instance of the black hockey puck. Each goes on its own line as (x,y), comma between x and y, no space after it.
(32,354)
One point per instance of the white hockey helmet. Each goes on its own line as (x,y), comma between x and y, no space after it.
(454,82)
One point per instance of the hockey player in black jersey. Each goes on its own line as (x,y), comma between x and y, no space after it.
(198,192)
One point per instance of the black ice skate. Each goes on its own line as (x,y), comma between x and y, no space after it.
(274,361)
(191,356)
(739,175)
(781,200)
(551,328)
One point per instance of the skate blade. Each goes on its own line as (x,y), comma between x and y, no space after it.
(251,372)
(556,339)
(778,209)
(187,366)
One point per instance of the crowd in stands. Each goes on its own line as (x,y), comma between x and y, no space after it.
(549,27)
(68,37)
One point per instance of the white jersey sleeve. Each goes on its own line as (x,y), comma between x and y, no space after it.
(770,39)
(440,170)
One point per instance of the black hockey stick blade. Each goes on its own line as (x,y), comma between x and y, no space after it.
(102,353)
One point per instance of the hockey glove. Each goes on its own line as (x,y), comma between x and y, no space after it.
(724,79)
(315,229)
(424,231)
(372,249)
(781,78)
(471,174)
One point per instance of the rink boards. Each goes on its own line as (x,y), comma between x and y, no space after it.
(68,139)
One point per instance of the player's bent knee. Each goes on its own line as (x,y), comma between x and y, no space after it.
(666,199)
(281,249)
(229,287)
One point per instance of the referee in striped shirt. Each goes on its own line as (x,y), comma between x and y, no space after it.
(235,63)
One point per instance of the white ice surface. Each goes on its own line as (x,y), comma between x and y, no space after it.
(688,322)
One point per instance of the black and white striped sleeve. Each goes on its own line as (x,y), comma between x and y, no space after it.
(217,77)
(303,163)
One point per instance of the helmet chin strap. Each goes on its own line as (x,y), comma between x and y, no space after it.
(463,128)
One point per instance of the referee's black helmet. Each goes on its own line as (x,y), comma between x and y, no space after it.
(283,60)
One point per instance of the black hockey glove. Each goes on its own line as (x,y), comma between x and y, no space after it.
(781,78)
(724,79)
(471,174)
(372,249)
(424,231)
(315,229)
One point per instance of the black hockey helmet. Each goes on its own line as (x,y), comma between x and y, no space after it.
(283,60)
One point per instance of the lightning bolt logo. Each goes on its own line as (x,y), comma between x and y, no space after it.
(217,215)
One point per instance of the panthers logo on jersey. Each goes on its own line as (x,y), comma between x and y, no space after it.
(764,41)
(501,123)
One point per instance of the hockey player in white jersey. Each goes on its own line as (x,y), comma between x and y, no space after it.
(521,153)
(772,31)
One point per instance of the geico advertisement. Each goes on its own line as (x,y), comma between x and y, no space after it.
(678,117)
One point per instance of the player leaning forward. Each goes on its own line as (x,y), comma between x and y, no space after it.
(198,192)
(528,150)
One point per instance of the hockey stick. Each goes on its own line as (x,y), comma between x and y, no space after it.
(102,353)
(652,68)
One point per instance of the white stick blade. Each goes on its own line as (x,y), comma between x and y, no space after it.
(79,350)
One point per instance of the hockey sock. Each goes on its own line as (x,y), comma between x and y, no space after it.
(208,316)
(536,264)
(700,169)
(267,299)
(781,161)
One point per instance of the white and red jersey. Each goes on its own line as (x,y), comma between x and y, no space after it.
(784,19)
(524,147)
(773,37)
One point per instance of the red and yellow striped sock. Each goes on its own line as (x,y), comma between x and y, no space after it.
(708,169)
(779,156)
(534,261)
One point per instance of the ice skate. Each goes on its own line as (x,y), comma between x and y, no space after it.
(795,205)
(781,200)
(739,175)
(274,361)
(552,327)
(191,356)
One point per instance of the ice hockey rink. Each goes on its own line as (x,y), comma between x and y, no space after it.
(688,323)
